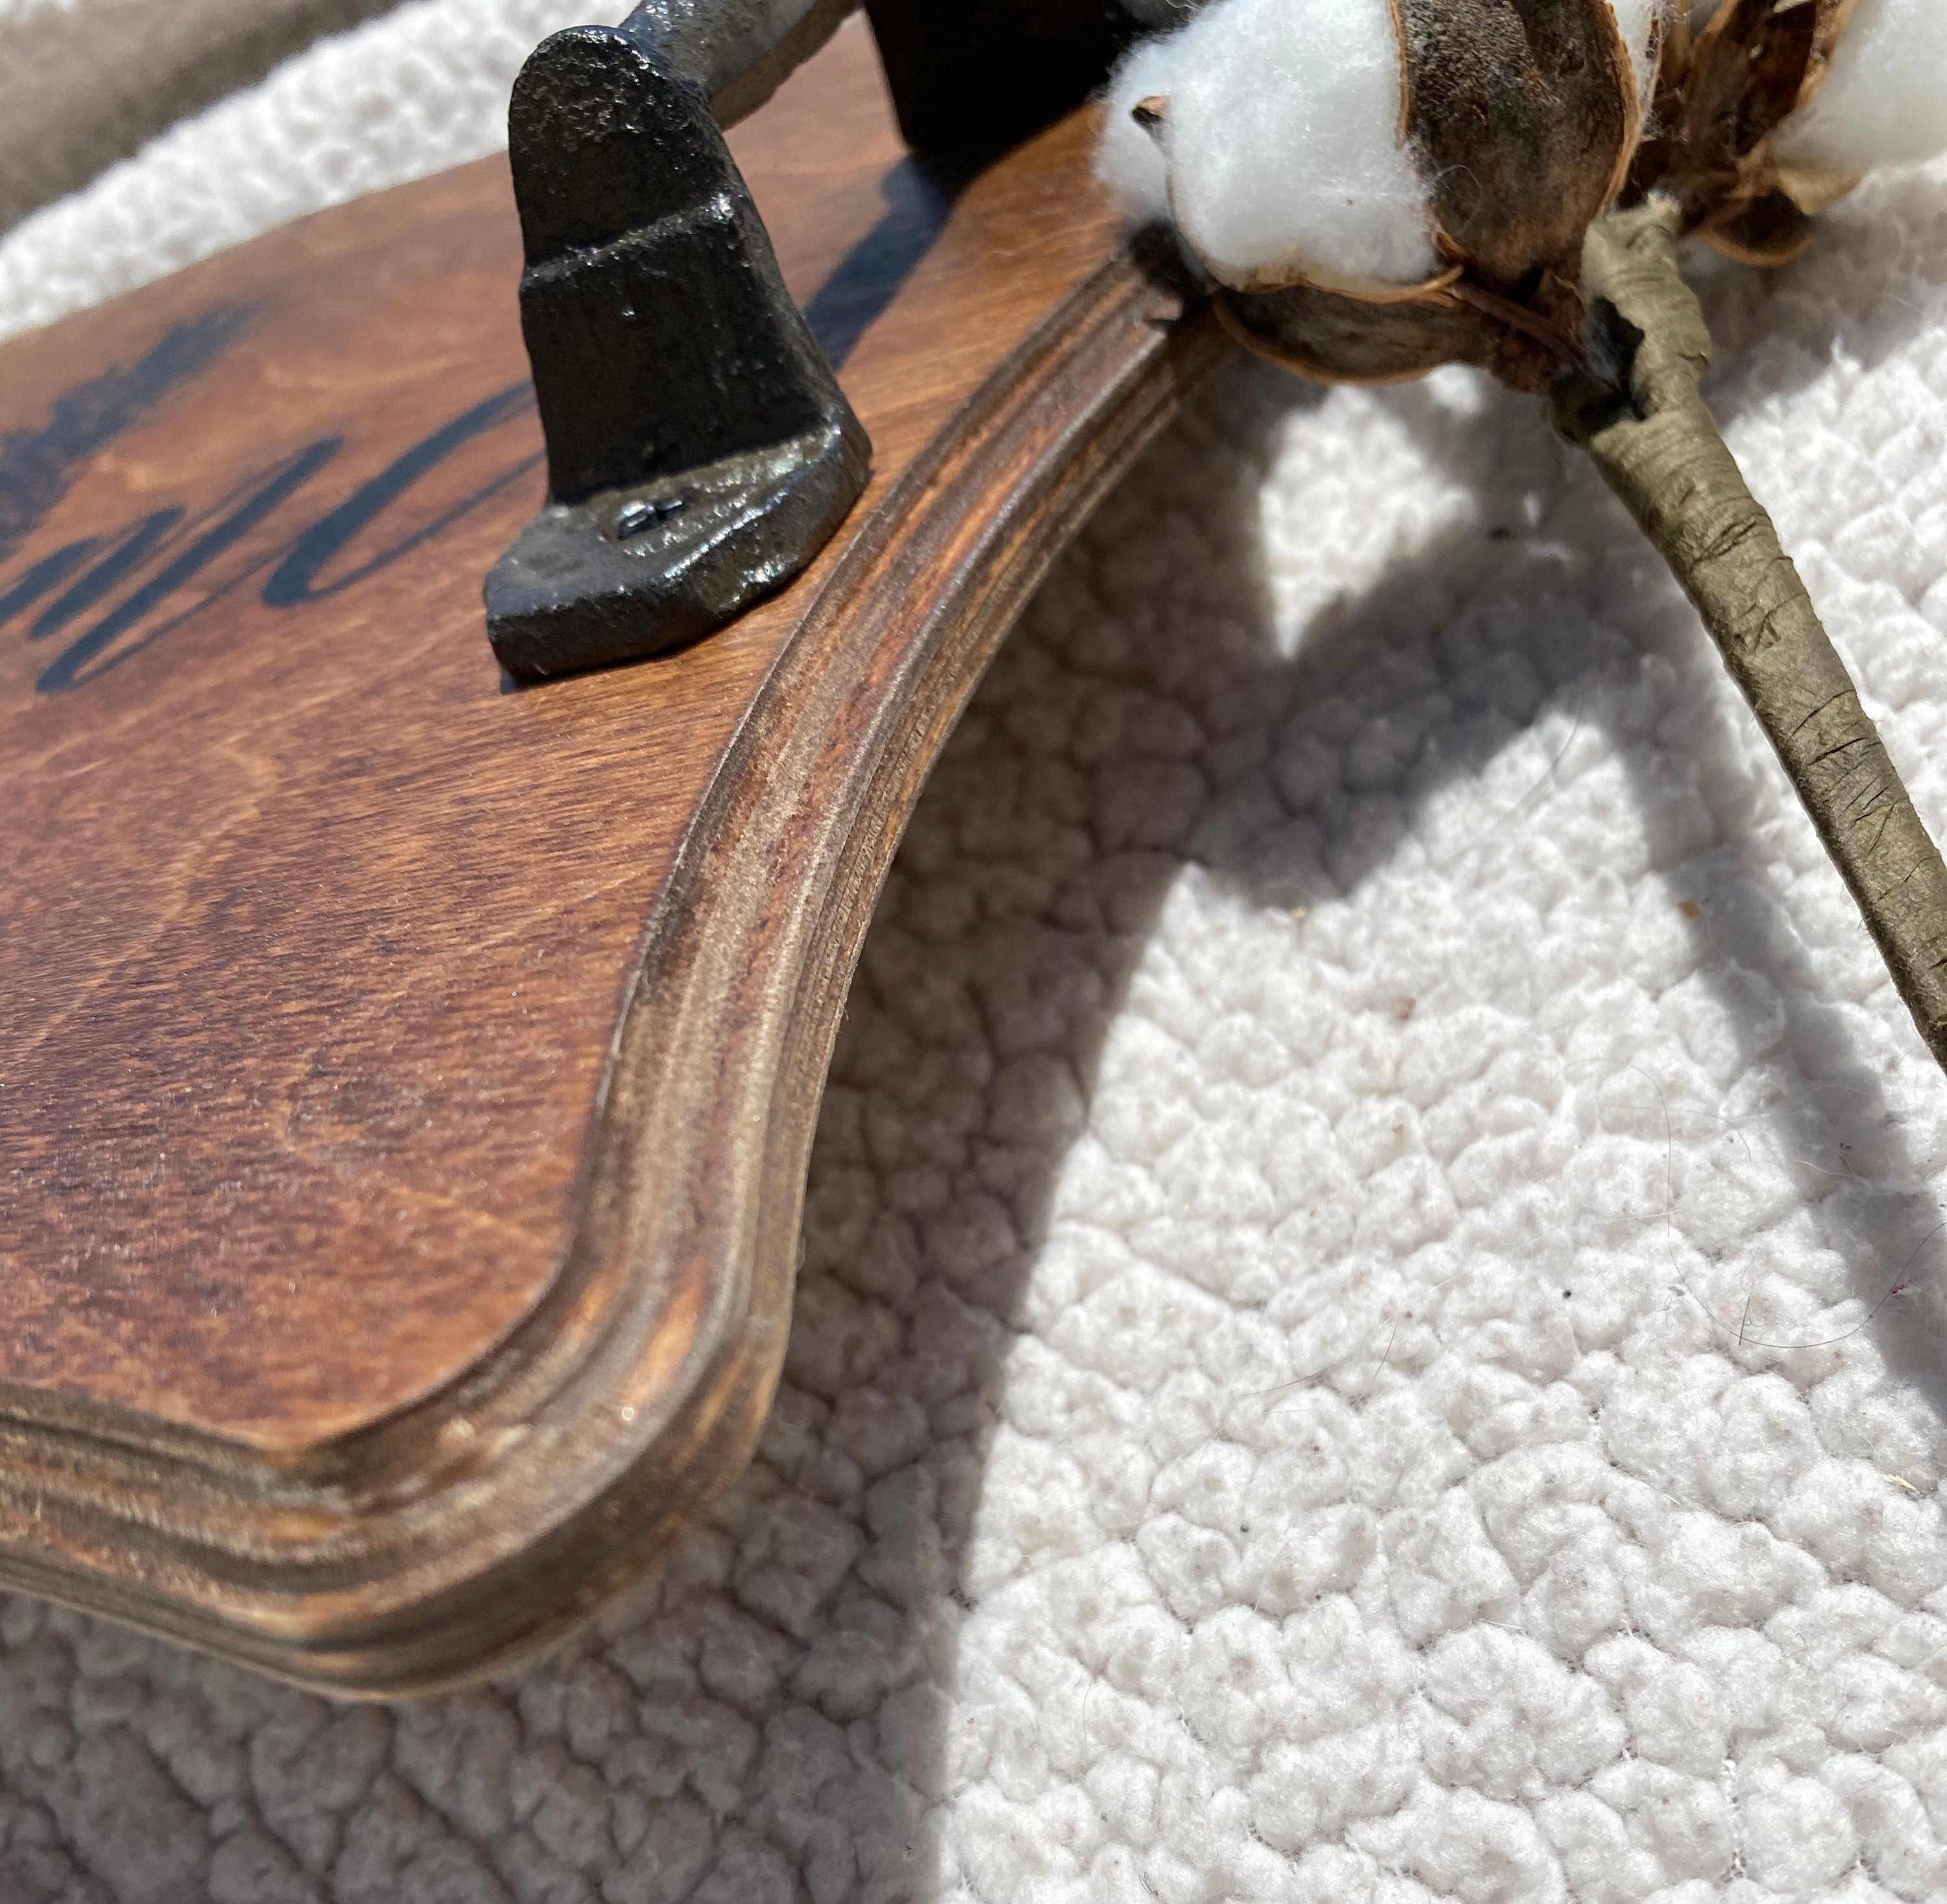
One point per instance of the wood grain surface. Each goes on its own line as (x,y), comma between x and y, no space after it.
(405,1082)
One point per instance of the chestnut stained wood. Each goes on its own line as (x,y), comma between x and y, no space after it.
(405,1083)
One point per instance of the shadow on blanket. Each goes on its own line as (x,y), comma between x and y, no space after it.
(1106,756)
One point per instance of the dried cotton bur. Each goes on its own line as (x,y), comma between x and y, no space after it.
(1375,187)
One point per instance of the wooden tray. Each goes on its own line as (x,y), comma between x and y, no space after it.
(405,1082)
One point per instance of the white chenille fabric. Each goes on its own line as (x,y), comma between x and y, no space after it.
(85,82)
(1372,1324)
(423,88)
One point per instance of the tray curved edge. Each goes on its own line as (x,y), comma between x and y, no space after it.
(450,1540)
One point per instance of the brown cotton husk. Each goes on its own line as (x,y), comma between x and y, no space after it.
(1523,114)
(1748,71)
(1834,17)
(1769,231)
(1756,63)
(1341,339)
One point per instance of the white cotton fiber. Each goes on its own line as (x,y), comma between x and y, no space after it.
(1282,143)
(1637,20)
(1129,160)
(1884,103)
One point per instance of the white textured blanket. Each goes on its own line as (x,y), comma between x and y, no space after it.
(1374,1314)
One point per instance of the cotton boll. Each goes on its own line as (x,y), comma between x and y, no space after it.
(1129,160)
(1381,186)
(1884,102)
(1283,145)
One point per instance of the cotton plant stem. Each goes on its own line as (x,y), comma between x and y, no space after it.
(1639,415)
